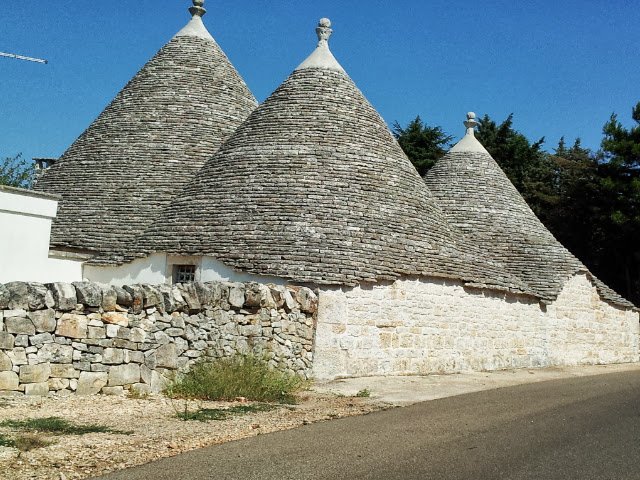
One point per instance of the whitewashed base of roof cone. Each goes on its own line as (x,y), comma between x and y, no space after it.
(434,326)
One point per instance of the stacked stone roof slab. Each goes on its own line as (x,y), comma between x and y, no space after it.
(157,132)
(314,188)
(481,202)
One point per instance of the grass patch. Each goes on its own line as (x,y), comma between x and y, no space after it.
(26,442)
(57,426)
(364,393)
(6,441)
(207,414)
(239,376)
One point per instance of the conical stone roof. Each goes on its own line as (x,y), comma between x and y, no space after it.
(480,201)
(157,132)
(314,188)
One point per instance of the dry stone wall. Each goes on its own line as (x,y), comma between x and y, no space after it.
(87,339)
(424,326)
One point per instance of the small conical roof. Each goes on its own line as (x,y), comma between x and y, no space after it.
(313,187)
(480,201)
(157,132)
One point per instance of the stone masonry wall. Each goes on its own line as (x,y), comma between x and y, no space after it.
(438,326)
(88,339)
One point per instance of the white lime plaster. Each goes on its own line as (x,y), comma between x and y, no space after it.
(322,57)
(469,143)
(195,28)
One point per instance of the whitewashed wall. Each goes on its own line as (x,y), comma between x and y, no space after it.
(25,228)
(435,326)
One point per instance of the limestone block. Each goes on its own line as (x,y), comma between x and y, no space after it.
(136,357)
(250,330)
(22,341)
(137,297)
(113,356)
(206,293)
(307,299)
(19,325)
(114,318)
(90,383)
(72,325)
(127,374)
(167,356)
(114,391)
(138,335)
(170,304)
(6,341)
(37,389)
(123,297)
(158,382)
(5,362)
(174,332)
(145,374)
(89,294)
(96,332)
(28,296)
(109,299)
(190,295)
(236,295)
(64,296)
(56,384)
(18,356)
(35,373)
(9,381)
(5,297)
(43,320)
(152,296)
(55,353)
(112,330)
(141,389)
(63,370)
(40,339)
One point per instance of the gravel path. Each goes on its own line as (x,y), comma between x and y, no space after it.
(155,432)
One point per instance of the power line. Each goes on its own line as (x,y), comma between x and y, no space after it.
(22,57)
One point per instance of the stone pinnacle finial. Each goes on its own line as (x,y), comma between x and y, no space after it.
(470,123)
(197,8)
(324,31)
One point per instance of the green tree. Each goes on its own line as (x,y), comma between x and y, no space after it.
(423,144)
(16,172)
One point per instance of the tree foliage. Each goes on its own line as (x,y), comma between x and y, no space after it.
(423,144)
(589,200)
(16,172)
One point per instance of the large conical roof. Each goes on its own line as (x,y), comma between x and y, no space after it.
(313,187)
(157,132)
(479,200)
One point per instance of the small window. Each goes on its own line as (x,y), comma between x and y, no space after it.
(184,273)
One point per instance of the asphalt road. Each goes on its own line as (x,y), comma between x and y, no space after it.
(579,428)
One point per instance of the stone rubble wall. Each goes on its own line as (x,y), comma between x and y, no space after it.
(439,326)
(88,339)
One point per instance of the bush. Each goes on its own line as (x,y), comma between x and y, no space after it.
(239,376)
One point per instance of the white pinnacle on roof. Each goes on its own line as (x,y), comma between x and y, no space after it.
(322,56)
(469,142)
(196,28)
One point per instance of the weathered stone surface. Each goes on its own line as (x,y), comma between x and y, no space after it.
(88,293)
(43,320)
(28,296)
(35,373)
(58,383)
(158,382)
(113,391)
(138,335)
(90,383)
(109,299)
(37,389)
(9,381)
(5,297)
(22,340)
(167,356)
(55,353)
(141,389)
(19,326)
(152,296)
(41,338)
(72,325)
(113,356)
(5,362)
(137,297)
(124,374)
(236,295)
(7,341)
(123,297)
(63,370)
(190,295)
(115,318)
(64,296)
(18,356)
(96,332)
(307,299)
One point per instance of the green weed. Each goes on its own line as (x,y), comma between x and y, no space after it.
(57,426)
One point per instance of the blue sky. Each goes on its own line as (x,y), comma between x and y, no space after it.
(562,67)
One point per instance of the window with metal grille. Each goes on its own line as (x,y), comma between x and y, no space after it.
(184,273)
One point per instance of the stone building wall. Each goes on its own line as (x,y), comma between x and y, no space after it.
(87,339)
(438,326)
